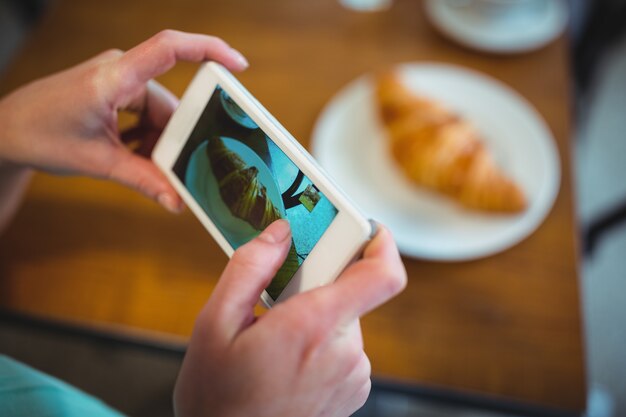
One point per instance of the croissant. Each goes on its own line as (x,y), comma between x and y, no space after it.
(438,149)
(239,186)
(284,274)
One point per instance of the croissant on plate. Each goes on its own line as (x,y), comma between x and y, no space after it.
(239,186)
(438,149)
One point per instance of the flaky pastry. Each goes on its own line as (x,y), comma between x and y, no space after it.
(438,149)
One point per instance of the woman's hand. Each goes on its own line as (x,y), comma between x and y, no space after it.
(67,122)
(302,358)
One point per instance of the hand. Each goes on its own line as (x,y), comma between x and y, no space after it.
(67,122)
(302,358)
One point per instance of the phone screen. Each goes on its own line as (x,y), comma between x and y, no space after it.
(244,181)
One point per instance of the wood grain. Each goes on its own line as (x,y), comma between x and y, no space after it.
(80,249)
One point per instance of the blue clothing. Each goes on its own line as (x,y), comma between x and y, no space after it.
(25,391)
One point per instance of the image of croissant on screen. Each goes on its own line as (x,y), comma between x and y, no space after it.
(239,186)
(438,149)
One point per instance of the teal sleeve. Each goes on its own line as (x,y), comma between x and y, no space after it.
(27,392)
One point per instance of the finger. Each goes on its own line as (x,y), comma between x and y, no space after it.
(140,139)
(355,400)
(366,284)
(142,175)
(247,274)
(339,350)
(354,330)
(155,104)
(348,395)
(160,53)
(352,394)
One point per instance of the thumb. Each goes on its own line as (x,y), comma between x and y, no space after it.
(247,274)
(141,174)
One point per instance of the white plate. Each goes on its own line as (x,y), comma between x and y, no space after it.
(511,33)
(349,143)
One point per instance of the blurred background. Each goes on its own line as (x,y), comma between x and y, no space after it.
(590,35)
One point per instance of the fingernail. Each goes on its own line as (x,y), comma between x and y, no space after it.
(169,203)
(240,58)
(276,232)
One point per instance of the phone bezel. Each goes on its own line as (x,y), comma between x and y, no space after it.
(347,233)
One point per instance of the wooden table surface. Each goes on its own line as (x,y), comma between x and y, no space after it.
(508,326)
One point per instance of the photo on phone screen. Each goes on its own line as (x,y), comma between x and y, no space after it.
(244,182)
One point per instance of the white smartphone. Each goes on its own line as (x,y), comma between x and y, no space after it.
(238,170)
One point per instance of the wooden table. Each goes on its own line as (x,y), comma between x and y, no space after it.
(508,326)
